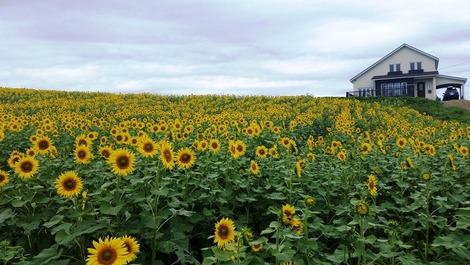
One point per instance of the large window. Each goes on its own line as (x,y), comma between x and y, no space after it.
(396,89)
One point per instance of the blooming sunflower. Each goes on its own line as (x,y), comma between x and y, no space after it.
(15,156)
(147,147)
(288,210)
(341,156)
(166,155)
(261,151)
(254,168)
(401,142)
(105,151)
(362,208)
(82,140)
(463,151)
(185,158)
(122,161)
(110,251)
(26,167)
(224,232)
(365,148)
(43,145)
(68,184)
(372,185)
(83,154)
(296,225)
(214,145)
(132,246)
(4,179)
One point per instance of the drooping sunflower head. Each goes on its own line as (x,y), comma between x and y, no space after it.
(122,161)
(26,167)
(132,247)
(110,251)
(254,168)
(256,247)
(372,185)
(68,184)
(185,158)
(288,210)
(362,208)
(166,155)
(4,178)
(224,232)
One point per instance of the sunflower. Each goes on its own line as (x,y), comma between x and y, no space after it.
(43,145)
(254,168)
(15,156)
(296,225)
(83,154)
(341,156)
(122,161)
(285,141)
(362,208)
(256,247)
(166,155)
(132,246)
(31,152)
(372,185)
(410,162)
(426,176)
(110,251)
(261,151)
(147,147)
(105,151)
(185,158)
(2,135)
(214,145)
(463,151)
(241,147)
(451,162)
(26,167)
(298,169)
(311,156)
(82,140)
(4,179)
(224,232)
(401,142)
(68,184)
(288,210)
(365,148)
(310,201)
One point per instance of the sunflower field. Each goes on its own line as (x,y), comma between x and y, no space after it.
(101,178)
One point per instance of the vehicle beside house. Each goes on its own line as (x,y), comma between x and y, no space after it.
(406,71)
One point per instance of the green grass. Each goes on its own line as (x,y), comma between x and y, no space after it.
(430,107)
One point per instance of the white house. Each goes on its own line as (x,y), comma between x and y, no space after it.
(406,71)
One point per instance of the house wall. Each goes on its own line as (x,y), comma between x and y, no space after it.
(403,57)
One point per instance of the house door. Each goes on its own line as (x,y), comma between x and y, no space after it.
(421,90)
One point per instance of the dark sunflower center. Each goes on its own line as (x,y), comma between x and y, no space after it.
(26,167)
(70,184)
(148,147)
(123,162)
(105,154)
(128,247)
(81,154)
(167,155)
(185,158)
(239,148)
(262,152)
(107,256)
(43,145)
(2,178)
(214,145)
(82,142)
(223,231)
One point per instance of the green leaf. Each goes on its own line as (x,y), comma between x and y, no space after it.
(285,255)
(54,220)
(222,255)
(6,214)
(107,208)
(46,256)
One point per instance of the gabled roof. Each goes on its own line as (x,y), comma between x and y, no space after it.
(392,53)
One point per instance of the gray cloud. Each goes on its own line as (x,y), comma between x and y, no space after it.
(275,47)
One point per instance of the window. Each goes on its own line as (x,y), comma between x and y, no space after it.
(391,68)
(398,67)
(412,66)
(419,65)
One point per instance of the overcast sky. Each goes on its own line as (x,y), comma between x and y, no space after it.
(243,47)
